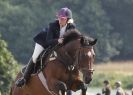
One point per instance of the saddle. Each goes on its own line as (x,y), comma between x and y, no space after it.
(44,57)
(47,55)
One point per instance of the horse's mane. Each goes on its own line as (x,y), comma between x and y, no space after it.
(70,35)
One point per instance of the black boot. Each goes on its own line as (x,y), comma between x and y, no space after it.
(20,82)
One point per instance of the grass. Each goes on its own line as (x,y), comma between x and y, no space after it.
(121,67)
(114,71)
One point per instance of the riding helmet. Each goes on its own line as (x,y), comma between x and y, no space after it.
(65,12)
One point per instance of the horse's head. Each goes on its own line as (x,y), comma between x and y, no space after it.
(80,49)
(86,58)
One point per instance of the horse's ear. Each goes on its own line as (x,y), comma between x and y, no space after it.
(93,42)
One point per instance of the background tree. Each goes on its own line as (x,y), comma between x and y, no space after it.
(121,18)
(8,68)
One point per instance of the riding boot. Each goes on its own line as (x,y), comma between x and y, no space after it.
(27,74)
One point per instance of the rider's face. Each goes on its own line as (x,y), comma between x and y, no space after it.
(62,21)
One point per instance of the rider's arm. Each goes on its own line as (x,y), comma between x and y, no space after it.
(52,35)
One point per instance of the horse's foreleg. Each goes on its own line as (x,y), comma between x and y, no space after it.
(83,88)
(77,85)
(61,86)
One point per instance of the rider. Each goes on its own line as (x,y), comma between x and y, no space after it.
(43,40)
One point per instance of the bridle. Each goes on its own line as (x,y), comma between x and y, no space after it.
(77,58)
(76,65)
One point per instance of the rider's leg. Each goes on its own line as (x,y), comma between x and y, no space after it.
(37,51)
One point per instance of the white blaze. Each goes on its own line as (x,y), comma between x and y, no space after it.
(89,53)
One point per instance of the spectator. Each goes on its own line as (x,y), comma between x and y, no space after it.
(106,89)
(119,89)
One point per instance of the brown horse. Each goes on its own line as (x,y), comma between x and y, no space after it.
(78,55)
(63,72)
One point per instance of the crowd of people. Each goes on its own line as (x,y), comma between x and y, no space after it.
(106,90)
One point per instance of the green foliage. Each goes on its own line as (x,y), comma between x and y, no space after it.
(92,20)
(128,82)
(8,67)
(20,21)
(120,14)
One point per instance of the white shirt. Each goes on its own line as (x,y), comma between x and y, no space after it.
(62,31)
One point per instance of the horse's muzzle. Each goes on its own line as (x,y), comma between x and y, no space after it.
(88,76)
(87,80)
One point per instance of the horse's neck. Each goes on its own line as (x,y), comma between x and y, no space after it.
(67,53)
(68,50)
(72,47)
(64,56)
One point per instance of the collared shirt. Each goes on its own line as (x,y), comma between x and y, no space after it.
(62,31)
(120,91)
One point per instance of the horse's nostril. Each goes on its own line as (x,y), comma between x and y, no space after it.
(87,80)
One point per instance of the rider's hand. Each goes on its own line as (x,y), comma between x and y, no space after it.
(60,40)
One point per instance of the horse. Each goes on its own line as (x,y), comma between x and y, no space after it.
(63,73)
(78,57)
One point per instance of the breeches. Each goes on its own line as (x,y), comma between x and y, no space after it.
(37,51)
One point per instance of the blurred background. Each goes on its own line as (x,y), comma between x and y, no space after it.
(110,21)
